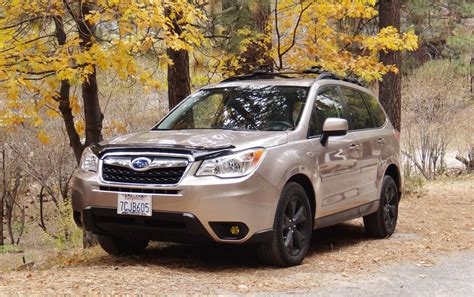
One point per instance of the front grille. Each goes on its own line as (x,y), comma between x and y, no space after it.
(139,190)
(164,176)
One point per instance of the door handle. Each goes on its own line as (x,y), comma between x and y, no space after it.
(354,147)
(381,140)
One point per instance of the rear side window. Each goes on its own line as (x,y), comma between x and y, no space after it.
(358,113)
(375,110)
(327,105)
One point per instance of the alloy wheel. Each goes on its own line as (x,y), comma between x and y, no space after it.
(390,207)
(295,224)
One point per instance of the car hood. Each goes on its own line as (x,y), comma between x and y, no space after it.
(211,139)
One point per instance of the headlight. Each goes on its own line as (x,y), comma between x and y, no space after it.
(235,165)
(89,161)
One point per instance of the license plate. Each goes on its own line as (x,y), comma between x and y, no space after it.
(134,204)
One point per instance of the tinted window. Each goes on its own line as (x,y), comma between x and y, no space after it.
(327,105)
(375,110)
(273,108)
(358,113)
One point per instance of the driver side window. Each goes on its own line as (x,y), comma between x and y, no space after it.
(327,105)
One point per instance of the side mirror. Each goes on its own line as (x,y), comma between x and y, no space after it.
(333,127)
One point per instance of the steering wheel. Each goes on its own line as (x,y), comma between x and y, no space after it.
(271,125)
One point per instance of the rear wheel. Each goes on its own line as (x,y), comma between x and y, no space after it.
(116,246)
(382,223)
(291,229)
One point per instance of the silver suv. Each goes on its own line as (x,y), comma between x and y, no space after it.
(261,159)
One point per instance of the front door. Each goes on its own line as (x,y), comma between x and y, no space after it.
(337,161)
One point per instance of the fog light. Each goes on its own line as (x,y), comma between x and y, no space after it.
(230,230)
(234,230)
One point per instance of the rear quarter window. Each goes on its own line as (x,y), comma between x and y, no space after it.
(359,117)
(375,110)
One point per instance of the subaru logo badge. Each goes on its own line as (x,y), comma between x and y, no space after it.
(141,163)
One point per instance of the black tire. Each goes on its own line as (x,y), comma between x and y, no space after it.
(115,246)
(381,224)
(292,229)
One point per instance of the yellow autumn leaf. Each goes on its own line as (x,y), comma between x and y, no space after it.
(43,137)
(52,113)
(38,121)
(80,128)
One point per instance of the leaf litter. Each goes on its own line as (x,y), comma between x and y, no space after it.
(432,223)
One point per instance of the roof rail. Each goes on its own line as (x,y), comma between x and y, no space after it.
(256,75)
(329,75)
(264,74)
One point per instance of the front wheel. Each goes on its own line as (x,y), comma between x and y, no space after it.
(291,229)
(382,223)
(116,246)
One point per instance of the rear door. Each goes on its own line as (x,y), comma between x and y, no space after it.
(337,161)
(362,127)
(383,134)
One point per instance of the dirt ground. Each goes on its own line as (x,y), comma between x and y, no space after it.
(434,223)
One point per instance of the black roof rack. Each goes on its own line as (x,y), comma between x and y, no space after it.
(259,74)
(265,74)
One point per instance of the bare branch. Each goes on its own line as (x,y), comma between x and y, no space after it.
(20,23)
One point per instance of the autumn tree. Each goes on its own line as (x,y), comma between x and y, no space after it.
(337,36)
(334,35)
(48,47)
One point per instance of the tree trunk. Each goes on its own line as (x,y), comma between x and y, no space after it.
(11,197)
(90,94)
(92,113)
(9,213)
(68,118)
(64,103)
(179,80)
(390,87)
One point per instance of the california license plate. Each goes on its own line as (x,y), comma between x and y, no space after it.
(134,204)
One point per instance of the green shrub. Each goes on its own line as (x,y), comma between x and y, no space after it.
(66,234)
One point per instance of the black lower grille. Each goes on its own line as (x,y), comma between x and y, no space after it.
(131,221)
(161,226)
(165,176)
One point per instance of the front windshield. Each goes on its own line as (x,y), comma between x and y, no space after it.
(267,108)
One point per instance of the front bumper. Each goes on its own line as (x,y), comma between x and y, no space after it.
(183,213)
(161,226)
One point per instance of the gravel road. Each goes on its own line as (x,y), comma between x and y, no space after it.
(452,276)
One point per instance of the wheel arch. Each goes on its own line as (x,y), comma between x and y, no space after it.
(394,172)
(307,185)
